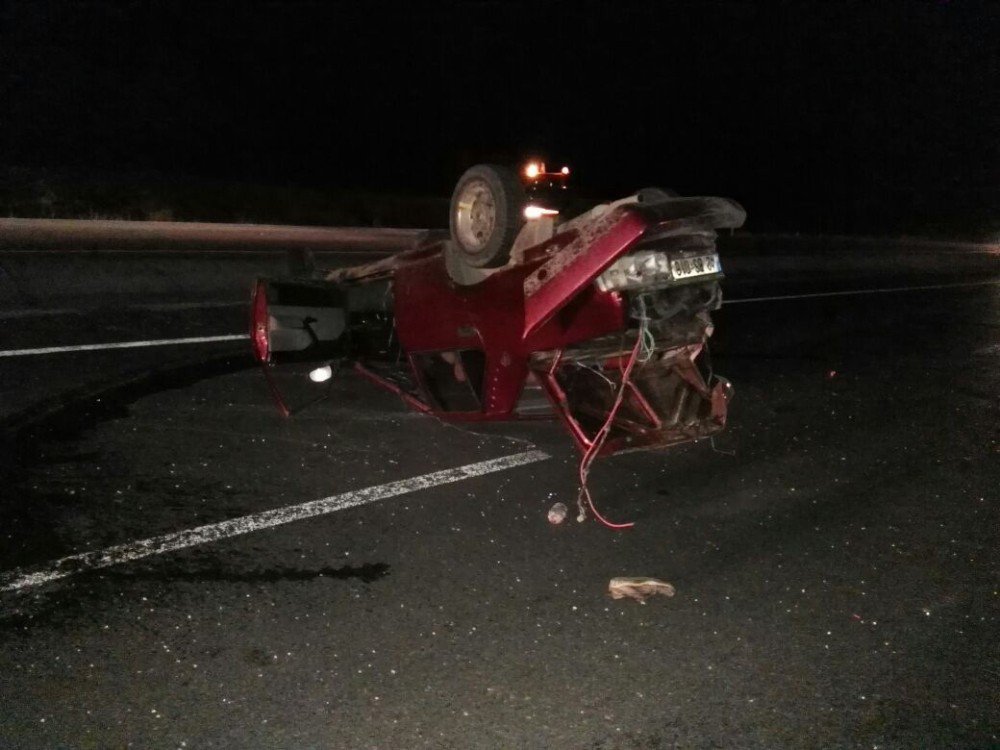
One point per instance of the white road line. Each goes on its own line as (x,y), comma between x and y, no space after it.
(883,290)
(122,345)
(153,307)
(238,336)
(174,306)
(14,580)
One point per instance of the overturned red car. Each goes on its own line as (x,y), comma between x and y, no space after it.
(606,314)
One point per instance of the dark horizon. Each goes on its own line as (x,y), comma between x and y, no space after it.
(798,112)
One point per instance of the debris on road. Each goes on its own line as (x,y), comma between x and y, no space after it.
(639,588)
(557,513)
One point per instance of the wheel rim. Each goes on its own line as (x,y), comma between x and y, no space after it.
(475,216)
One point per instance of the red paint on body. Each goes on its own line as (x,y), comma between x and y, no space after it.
(433,314)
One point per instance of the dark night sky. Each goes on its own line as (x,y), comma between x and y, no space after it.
(776,104)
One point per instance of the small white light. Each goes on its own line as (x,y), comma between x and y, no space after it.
(564,170)
(321,374)
(532,211)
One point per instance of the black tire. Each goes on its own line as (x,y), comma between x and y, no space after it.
(487,212)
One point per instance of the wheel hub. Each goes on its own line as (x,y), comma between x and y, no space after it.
(475,216)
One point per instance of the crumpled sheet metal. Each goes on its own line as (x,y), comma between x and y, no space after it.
(638,588)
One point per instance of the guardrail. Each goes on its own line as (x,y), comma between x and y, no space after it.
(86,235)
(59,263)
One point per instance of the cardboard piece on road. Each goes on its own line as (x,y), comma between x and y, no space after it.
(639,588)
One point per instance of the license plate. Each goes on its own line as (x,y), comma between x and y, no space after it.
(699,265)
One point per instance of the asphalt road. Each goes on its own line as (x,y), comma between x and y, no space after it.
(834,552)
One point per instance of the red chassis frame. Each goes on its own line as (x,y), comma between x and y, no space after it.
(537,319)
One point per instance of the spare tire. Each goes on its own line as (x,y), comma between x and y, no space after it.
(487,212)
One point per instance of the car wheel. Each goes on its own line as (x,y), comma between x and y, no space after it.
(486,215)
